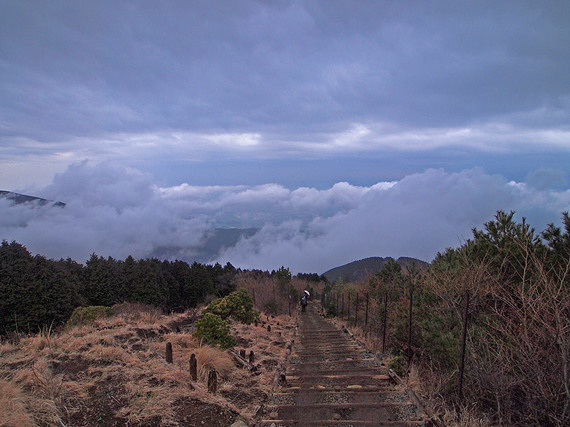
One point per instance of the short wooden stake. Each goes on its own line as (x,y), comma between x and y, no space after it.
(251,358)
(168,352)
(193,367)
(242,353)
(212,381)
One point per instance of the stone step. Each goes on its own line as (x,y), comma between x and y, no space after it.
(392,411)
(340,380)
(329,349)
(349,361)
(332,354)
(313,396)
(340,423)
(381,387)
(302,371)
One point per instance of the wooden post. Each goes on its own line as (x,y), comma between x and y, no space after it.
(251,358)
(356,311)
(193,367)
(384,323)
(366,316)
(463,344)
(212,381)
(168,352)
(410,326)
(242,353)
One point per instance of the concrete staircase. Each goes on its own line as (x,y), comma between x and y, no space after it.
(333,381)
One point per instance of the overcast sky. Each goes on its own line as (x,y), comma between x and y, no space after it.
(277,99)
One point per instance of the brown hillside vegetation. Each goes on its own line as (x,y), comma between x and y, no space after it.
(113,371)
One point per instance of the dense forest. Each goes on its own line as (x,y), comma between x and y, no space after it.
(505,294)
(38,292)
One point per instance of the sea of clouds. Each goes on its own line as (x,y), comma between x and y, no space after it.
(116,211)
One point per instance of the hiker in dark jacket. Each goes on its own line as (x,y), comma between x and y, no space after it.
(303,302)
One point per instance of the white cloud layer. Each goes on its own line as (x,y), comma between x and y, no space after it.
(112,210)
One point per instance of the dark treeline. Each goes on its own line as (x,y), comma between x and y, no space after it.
(36,291)
(312,277)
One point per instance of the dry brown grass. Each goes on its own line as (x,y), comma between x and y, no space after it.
(465,416)
(114,372)
(13,408)
(209,358)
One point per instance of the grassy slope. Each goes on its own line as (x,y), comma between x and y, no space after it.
(114,372)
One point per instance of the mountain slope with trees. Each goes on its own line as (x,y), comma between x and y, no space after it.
(358,270)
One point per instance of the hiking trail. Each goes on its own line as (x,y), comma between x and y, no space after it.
(331,380)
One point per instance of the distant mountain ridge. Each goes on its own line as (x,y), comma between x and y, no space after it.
(18,199)
(358,270)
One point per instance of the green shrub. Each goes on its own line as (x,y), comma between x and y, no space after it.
(86,315)
(214,330)
(237,305)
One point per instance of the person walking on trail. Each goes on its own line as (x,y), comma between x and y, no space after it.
(304,300)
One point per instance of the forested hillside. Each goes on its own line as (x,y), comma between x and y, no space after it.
(358,270)
(38,292)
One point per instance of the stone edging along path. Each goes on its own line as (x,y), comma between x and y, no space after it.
(331,380)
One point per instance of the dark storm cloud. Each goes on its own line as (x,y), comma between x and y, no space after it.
(287,69)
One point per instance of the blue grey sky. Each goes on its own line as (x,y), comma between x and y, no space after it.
(300,94)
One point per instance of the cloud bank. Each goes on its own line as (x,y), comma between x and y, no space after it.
(116,211)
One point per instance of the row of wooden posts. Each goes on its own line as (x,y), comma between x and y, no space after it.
(339,305)
(212,375)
